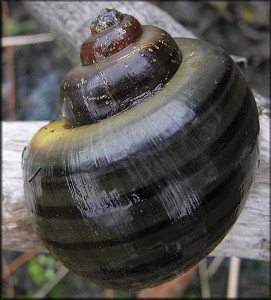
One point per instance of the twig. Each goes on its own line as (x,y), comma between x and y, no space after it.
(27,39)
(9,287)
(16,263)
(232,290)
(9,70)
(204,281)
(216,262)
(45,289)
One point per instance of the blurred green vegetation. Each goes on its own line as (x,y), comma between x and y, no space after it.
(42,268)
(13,27)
(247,13)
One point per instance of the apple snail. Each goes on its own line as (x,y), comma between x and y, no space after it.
(152,160)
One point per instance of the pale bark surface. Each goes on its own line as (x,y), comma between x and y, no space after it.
(69,22)
(249,238)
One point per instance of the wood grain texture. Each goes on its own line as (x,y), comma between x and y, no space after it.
(69,22)
(249,237)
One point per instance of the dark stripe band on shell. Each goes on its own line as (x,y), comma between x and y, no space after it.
(152,161)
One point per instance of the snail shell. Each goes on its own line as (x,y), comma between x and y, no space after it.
(149,176)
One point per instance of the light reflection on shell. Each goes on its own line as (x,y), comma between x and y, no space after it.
(141,197)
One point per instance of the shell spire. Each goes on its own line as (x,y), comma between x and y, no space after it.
(162,167)
(123,64)
(106,19)
(111,32)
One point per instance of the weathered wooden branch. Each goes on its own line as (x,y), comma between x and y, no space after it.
(250,236)
(69,21)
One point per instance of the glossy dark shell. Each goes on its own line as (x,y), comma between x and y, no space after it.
(139,198)
(97,47)
(92,93)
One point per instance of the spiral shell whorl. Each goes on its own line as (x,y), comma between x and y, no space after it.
(135,200)
(111,32)
(106,19)
(122,66)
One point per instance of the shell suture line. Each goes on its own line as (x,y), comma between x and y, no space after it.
(106,85)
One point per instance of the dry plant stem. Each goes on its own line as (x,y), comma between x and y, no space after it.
(233,278)
(9,70)
(57,16)
(9,288)
(45,289)
(9,55)
(204,280)
(27,39)
(16,263)
(214,265)
(249,237)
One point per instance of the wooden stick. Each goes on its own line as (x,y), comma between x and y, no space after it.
(204,280)
(9,70)
(214,265)
(233,278)
(16,263)
(69,21)
(249,238)
(26,39)
(46,288)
